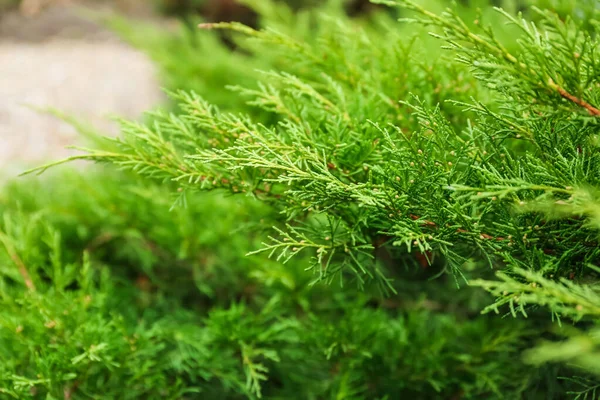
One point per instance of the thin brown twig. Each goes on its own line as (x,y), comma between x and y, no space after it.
(590,108)
(18,262)
(69,390)
(99,241)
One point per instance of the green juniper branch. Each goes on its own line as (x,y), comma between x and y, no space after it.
(374,163)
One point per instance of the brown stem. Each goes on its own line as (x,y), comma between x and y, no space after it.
(69,390)
(590,108)
(99,241)
(23,271)
(18,262)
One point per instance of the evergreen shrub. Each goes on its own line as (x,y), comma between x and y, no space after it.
(367,212)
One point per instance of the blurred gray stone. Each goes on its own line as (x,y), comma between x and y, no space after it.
(90,78)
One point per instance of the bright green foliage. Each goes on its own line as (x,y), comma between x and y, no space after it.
(358,157)
(190,61)
(198,61)
(349,163)
(125,294)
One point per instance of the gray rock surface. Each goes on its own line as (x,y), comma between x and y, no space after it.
(89,77)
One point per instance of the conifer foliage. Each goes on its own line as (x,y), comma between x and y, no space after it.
(336,229)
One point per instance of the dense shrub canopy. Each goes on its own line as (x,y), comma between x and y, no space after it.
(332,224)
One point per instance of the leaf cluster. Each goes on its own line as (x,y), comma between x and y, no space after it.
(359,155)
